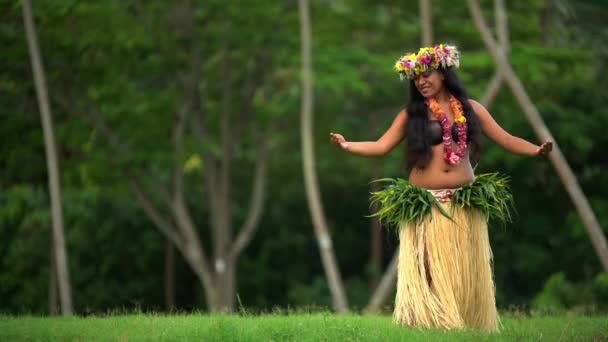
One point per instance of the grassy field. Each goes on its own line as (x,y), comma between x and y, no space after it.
(297,327)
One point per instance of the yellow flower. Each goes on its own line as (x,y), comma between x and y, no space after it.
(460,119)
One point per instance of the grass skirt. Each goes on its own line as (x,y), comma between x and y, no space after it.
(445,271)
(445,260)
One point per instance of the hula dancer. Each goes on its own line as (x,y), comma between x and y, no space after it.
(445,275)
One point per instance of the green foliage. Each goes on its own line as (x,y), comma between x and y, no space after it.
(489,193)
(560,294)
(24,218)
(401,202)
(108,264)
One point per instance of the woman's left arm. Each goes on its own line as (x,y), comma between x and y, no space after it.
(505,140)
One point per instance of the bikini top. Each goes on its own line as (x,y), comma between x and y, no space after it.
(436,136)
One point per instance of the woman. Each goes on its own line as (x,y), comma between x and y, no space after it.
(445,261)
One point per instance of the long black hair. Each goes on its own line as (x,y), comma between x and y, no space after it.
(417,131)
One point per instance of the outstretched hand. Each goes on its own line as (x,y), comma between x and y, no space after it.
(544,148)
(338,140)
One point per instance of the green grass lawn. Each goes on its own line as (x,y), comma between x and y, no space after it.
(296,327)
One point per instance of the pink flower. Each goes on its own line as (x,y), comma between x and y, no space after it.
(452,158)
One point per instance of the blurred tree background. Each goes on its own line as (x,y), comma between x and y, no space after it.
(179,114)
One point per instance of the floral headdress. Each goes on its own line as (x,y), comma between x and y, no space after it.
(427,58)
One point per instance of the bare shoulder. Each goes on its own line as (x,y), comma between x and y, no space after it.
(402,115)
(476,105)
(479,109)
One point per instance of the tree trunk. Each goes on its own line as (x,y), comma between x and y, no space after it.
(566,175)
(310,177)
(230,286)
(426,22)
(171,216)
(375,229)
(63,277)
(222,231)
(502,28)
(387,284)
(52,281)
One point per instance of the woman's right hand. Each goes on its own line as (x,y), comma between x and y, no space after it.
(544,149)
(338,140)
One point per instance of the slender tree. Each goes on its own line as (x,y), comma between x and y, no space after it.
(53,300)
(164,201)
(310,176)
(61,257)
(502,29)
(385,287)
(375,229)
(426,22)
(594,231)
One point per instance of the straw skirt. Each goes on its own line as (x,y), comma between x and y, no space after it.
(445,272)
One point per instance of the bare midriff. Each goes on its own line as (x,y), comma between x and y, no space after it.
(438,174)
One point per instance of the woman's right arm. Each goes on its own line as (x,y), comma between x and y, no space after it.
(378,148)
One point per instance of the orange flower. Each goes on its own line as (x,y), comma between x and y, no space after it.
(457,109)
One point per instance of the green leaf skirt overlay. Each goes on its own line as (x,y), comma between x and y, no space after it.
(401,202)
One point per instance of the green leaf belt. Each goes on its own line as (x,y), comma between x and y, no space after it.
(401,202)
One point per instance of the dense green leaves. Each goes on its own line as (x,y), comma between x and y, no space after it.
(130,59)
(402,203)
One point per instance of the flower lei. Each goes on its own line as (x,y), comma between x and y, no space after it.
(451,156)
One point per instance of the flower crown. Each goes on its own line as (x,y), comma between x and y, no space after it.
(427,58)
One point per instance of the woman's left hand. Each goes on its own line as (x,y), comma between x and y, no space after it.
(544,148)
